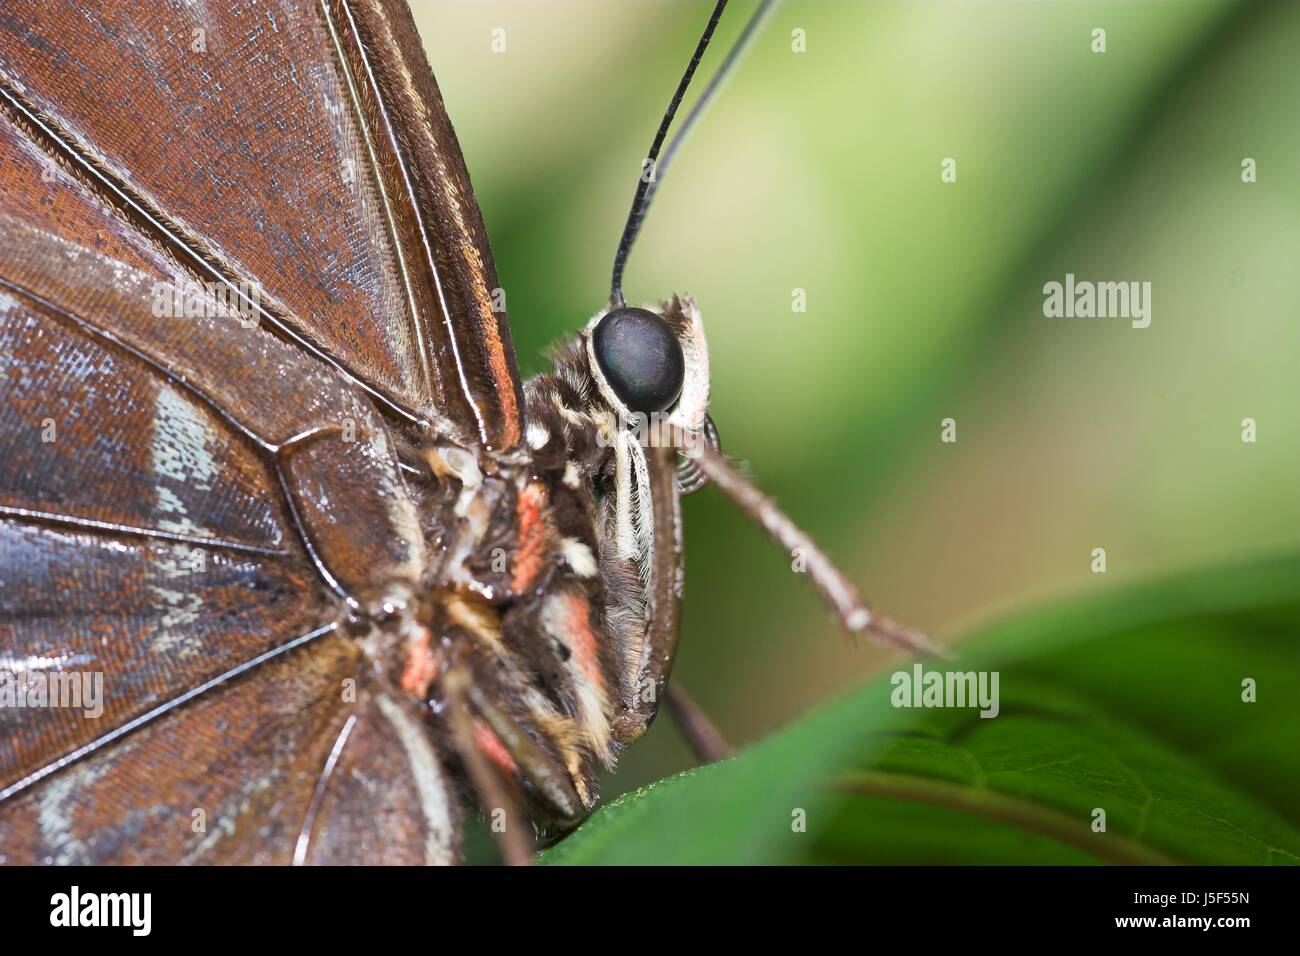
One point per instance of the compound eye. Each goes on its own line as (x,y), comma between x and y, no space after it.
(641,359)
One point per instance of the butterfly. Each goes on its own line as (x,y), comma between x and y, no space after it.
(294,568)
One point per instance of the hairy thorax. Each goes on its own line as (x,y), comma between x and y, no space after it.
(528,597)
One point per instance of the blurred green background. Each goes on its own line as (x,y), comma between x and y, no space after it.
(820,170)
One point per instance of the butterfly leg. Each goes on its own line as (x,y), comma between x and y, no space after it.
(702,735)
(835,589)
(488,736)
(494,791)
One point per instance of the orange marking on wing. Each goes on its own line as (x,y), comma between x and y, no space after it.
(497,360)
(531,548)
(499,366)
(582,638)
(492,747)
(421,666)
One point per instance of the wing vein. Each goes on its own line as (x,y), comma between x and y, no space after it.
(389,216)
(110,528)
(146,220)
(149,716)
(430,260)
(318,795)
(272,451)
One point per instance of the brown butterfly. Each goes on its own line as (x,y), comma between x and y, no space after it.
(292,565)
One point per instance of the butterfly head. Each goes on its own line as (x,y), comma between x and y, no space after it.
(651,368)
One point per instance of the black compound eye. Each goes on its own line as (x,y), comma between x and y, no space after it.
(641,359)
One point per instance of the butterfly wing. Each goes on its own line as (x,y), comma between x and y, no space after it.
(175,538)
(191,502)
(260,771)
(300,149)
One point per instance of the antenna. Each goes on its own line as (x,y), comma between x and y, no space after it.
(646,186)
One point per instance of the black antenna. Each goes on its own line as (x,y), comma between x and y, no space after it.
(645,189)
(710,93)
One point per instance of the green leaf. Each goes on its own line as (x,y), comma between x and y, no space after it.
(1130,703)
